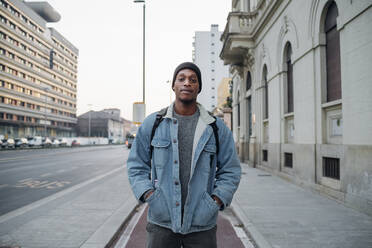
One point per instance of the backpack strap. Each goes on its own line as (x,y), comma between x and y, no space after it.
(215,132)
(159,117)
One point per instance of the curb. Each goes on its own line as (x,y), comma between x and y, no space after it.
(248,227)
(115,238)
(111,229)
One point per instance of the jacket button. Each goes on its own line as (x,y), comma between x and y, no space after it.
(174,121)
(175,161)
(174,141)
(177,204)
(176,183)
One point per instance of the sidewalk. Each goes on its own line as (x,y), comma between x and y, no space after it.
(86,215)
(279,214)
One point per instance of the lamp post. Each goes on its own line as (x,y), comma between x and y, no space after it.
(143,54)
(89,105)
(170,91)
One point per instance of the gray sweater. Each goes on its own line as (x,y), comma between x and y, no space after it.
(186,133)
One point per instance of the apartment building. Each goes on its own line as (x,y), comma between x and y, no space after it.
(302,84)
(206,47)
(38,72)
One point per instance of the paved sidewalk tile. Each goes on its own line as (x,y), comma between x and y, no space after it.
(288,216)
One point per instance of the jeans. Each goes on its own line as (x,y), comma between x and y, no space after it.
(160,237)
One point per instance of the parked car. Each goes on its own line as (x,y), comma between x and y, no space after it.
(55,143)
(35,141)
(46,142)
(2,141)
(21,143)
(62,142)
(8,143)
(75,143)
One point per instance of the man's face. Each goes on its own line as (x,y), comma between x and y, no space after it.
(186,86)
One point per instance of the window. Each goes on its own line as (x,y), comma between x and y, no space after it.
(4,4)
(249,81)
(12,25)
(288,160)
(332,54)
(288,55)
(238,109)
(264,155)
(3,19)
(24,18)
(331,168)
(265,93)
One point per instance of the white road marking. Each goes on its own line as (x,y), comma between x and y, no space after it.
(46,175)
(3,186)
(238,228)
(48,199)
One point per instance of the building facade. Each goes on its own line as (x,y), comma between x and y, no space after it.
(106,123)
(207,45)
(38,73)
(302,88)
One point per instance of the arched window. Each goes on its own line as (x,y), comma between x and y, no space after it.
(238,109)
(332,54)
(249,81)
(265,93)
(288,61)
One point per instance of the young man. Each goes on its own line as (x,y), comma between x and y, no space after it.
(182,172)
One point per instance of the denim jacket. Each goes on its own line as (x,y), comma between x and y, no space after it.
(210,174)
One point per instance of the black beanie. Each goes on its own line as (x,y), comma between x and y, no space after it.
(191,66)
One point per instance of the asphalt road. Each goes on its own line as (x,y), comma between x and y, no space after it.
(27,176)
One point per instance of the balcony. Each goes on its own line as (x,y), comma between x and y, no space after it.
(237,37)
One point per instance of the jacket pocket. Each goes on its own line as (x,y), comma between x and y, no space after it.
(206,158)
(160,154)
(206,211)
(158,209)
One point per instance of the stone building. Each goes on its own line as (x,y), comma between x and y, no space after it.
(106,123)
(302,86)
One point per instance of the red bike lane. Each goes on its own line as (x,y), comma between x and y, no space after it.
(226,236)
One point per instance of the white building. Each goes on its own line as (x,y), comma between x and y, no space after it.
(207,46)
(302,87)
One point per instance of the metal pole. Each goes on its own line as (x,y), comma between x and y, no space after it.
(89,118)
(89,125)
(143,66)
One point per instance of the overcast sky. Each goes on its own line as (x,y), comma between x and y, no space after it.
(108,35)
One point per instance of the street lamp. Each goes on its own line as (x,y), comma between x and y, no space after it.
(143,65)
